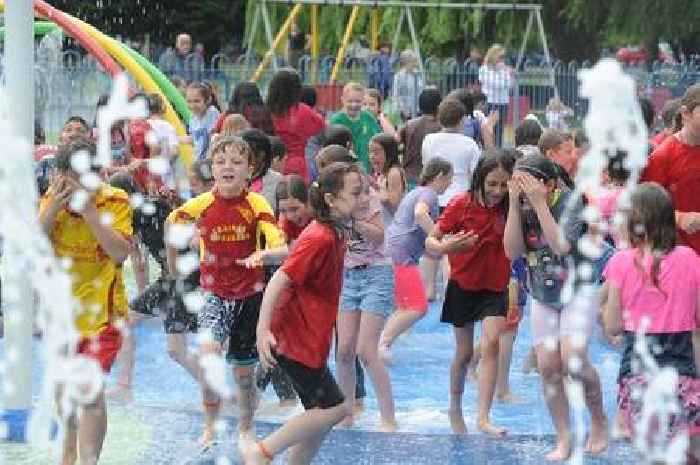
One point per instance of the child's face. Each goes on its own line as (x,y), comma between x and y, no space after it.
(349,200)
(72,130)
(371,104)
(377,156)
(352,102)
(195,101)
(496,186)
(231,170)
(294,210)
(278,163)
(442,182)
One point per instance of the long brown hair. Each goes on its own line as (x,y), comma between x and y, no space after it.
(652,222)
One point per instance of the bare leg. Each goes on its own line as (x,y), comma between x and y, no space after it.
(530,362)
(178,351)
(551,371)
(399,322)
(588,376)
(491,330)
(348,330)
(247,397)
(126,359)
(210,399)
(92,428)
(69,454)
(464,337)
(429,267)
(370,329)
(505,356)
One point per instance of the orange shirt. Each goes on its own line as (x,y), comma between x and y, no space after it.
(97,280)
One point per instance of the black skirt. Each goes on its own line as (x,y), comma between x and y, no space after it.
(461,307)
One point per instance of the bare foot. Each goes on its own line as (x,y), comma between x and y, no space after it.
(486,427)
(598,438)
(388,426)
(457,422)
(561,452)
(509,398)
(252,455)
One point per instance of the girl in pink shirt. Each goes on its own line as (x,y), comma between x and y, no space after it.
(654,288)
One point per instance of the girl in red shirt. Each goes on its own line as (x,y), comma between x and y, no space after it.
(297,316)
(478,284)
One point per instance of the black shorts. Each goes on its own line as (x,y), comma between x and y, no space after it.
(164,297)
(461,307)
(316,387)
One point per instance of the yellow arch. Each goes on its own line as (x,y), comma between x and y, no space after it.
(113,47)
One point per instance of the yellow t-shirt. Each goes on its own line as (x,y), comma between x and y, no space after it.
(97,280)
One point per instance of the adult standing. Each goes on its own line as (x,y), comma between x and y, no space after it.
(180,61)
(496,79)
(296,45)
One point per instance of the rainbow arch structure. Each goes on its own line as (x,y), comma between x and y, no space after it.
(116,58)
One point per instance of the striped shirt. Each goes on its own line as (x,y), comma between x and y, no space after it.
(495,83)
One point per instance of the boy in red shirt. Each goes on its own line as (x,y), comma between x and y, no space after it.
(230,222)
(298,314)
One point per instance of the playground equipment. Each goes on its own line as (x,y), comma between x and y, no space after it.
(113,56)
(406,15)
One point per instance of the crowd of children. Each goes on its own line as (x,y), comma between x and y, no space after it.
(296,229)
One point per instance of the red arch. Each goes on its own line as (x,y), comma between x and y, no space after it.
(57,16)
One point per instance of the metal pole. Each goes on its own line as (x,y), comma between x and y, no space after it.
(414,37)
(521,53)
(268,33)
(374,29)
(19,78)
(251,36)
(280,35)
(340,58)
(397,33)
(314,44)
(545,49)
(415,4)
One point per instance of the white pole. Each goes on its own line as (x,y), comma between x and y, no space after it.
(18,318)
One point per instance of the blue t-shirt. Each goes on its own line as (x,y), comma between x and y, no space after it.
(200,129)
(405,239)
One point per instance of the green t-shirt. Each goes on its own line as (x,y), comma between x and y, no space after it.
(363,128)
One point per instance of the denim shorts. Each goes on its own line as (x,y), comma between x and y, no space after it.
(368,289)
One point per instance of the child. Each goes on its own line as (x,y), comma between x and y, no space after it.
(204,116)
(479,275)
(561,329)
(231,222)
(414,132)
(361,123)
(406,235)
(165,135)
(234,124)
(294,122)
(297,316)
(386,169)
(408,83)
(558,114)
(95,252)
(654,288)
(247,101)
(554,145)
(279,153)
(263,180)
(373,104)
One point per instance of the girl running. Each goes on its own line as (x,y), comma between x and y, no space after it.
(657,284)
(478,284)
(297,316)
(406,235)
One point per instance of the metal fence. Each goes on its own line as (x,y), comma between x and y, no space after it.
(69,82)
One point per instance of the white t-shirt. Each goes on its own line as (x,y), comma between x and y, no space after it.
(166,136)
(458,149)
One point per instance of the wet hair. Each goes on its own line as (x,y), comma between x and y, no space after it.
(391,150)
(244,94)
(648,114)
(260,145)
(331,180)
(334,154)
(491,160)
(616,170)
(279,150)
(155,104)
(691,97)
(337,134)
(538,166)
(435,167)
(528,133)
(450,112)
(284,91)
(203,89)
(291,186)
(65,154)
(223,142)
(551,139)
(308,95)
(80,120)
(669,112)
(651,220)
(202,169)
(123,181)
(465,98)
(429,100)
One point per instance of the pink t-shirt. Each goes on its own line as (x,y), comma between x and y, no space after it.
(679,278)
(606,201)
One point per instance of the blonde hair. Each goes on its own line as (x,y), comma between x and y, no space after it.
(494,53)
(353,86)
(408,58)
(233,124)
(221,143)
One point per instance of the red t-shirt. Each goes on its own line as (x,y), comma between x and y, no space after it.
(484,266)
(308,308)
(290,229)
(676,166)
(295,128)
(138,130)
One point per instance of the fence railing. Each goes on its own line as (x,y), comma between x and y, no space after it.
(70,82)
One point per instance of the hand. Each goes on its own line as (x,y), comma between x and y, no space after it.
(534,189)
(255,260)
(460,242)
(61,190)
(514,191)
(492,119)
(689,222)
(266,342)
